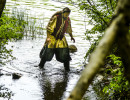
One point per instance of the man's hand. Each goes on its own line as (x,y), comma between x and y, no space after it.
(73,39)
(48,40)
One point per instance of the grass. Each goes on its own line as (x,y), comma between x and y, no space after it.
(32,26)
(16,26)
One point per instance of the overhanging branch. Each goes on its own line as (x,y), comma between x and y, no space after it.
(97,59)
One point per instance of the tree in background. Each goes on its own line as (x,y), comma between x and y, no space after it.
(2,5)
(117,32)
(101,14)
(11,28)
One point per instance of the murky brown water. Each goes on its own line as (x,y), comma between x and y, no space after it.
(52,83)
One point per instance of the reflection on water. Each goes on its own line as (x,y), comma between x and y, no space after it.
(53,91)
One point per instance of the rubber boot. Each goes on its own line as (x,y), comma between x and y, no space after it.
(42,63)
(67,65)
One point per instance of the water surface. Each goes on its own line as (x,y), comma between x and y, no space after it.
(52,83)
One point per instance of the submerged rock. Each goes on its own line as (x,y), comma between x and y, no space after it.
(1,74)
(72,48)
(16,76)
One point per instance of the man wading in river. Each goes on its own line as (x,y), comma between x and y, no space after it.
(56,43)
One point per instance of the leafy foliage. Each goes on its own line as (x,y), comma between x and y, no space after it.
(5,93)
(10,29)
(118,85)
(100,13)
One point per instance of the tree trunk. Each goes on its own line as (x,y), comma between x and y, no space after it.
(117,31)
(124,46)
(123,39)
(2,5)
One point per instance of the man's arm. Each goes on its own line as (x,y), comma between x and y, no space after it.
(69,30)
(51,25)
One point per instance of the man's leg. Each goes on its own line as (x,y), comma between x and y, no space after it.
(67,65)
(42,63)
(62,55)
(46,56)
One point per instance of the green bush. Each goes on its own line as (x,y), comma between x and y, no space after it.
(100,14)
(118,86)
(10,29)
(5,93)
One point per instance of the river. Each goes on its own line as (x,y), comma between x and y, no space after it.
(52,83)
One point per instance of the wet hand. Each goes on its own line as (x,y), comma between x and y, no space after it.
(72,39)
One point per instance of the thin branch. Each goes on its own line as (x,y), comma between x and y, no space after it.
(94,10)
(111,5)
(107,6)
(97,13)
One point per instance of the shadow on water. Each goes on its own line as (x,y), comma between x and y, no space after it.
(53,85)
